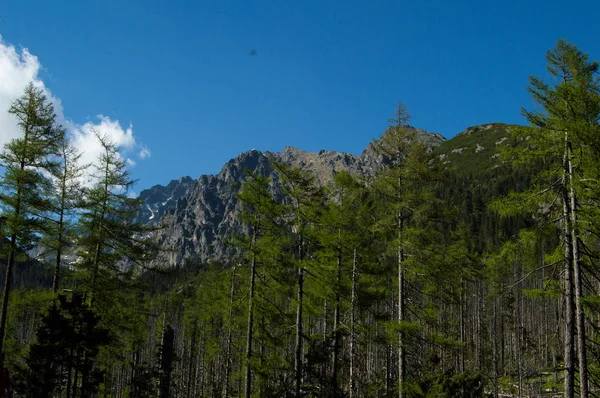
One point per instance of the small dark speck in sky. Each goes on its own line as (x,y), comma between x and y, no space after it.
(253,52)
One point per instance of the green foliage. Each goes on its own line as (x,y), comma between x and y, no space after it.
(112,248)
(25,185)
(476,149)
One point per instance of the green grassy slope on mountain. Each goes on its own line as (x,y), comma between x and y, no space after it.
(474,150)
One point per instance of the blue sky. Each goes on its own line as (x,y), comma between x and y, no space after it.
(326,75)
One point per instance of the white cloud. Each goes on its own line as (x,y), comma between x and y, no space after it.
(18,67)
(84,139)
(144,152)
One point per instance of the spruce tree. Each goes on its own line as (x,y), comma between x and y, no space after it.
(67,344)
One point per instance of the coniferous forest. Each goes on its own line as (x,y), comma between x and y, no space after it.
(425,280)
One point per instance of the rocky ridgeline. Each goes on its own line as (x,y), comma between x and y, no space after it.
(198,216)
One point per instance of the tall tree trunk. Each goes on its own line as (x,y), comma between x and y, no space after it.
(166,362)
(462,324)
(518,329)
(7,284)
(249,332)
(190,378)
(495,346)
(577,279)
(298,345)
(98,250)
(569,342)
(351,380)
(401,316)
(56,280)
(229,331)
(12,251)
(336,325)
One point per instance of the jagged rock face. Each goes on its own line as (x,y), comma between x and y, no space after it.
(324,164)
(371,161)
(158,198)
(198,216)
(198,224)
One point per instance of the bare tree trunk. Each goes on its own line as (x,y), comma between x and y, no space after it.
(401,350)
(7,285)
(190,379)
(228,344)
(250,329)
(578,277)
(495,346)
(298,345)
(518,329)
(336,325)
(351,380)
(569,343)
(69,372)
(462,325)
(60,225)
(166,362)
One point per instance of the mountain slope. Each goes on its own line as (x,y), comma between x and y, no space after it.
(475,149)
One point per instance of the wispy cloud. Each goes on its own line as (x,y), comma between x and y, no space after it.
(18,67)
(144,152)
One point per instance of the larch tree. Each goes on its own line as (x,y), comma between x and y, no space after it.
(405,189)
(339,236)
(304,198)
(68,187)
(261,214)
(113,247)
(25,186)
(561,151)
